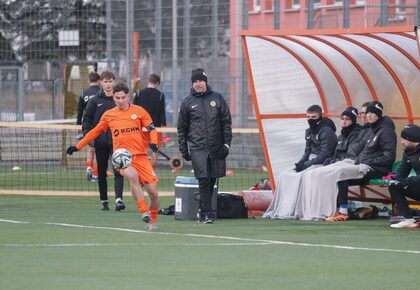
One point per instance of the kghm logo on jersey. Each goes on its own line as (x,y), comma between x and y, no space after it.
(126,131)
(134,116)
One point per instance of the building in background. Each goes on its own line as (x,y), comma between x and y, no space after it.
(48,47)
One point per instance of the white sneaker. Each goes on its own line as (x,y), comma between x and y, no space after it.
(151,227)
(405,223)
(146,217)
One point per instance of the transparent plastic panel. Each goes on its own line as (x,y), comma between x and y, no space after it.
(285,142)
(282,84)
(403,42)
(334,95)
(353,80)
(405,70)
(382,82)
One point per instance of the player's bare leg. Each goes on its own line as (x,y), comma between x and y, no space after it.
(137,193)
(152,191)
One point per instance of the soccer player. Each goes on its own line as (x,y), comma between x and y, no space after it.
(85,96)
(126,121)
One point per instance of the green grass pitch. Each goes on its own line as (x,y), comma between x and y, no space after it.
(67,243)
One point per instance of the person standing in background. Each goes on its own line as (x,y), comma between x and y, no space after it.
(204,137)
(153,101)
(85,96)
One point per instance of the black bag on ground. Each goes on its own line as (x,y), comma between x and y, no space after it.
(231,206)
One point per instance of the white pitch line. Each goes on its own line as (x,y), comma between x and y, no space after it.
(13,222)
(130,244)
(266,242)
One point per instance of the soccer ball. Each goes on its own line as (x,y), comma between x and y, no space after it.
(121,158)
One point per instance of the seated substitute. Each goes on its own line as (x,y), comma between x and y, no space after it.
(320,144)
(378,153)
(403,185)
(349,132)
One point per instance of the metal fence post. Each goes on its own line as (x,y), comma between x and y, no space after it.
(310,16)
(129,40)
(384,13)
(276,8)
(174,62)
(346,14)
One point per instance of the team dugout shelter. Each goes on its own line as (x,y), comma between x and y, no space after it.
(290,70)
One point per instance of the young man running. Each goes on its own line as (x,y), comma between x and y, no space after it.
(126,122)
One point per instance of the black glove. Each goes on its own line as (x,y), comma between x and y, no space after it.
(299,167)
(71,150)
(154,147)
(224,151)
(186,156)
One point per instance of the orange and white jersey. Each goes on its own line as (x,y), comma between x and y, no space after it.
(126,129)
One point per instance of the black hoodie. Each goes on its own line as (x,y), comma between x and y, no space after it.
(320,141)
(410,160)
(380,149)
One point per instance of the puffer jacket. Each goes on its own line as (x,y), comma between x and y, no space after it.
(320,141)
(96,107)
(357,146)
(343,143)
(379,151)
(204,126)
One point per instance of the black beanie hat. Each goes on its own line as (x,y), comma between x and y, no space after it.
(198,74)
(376,108)
(352,113)
(411,133)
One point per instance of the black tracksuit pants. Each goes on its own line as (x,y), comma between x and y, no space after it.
(205,188)
(102,158)
(343,186)
(399,195)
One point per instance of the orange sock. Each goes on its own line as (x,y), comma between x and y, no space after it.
(88,164)
(153,215)
(95,170)
(142,206)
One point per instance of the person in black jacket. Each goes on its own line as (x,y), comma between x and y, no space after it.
(364,134)
(153,101)
(320,139)
(204,137)
(96,107)
(85,96)
(349,132)
(403,185)
(378,152)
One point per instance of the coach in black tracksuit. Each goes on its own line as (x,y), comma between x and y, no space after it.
(404,185)
(204,137)
(96,107)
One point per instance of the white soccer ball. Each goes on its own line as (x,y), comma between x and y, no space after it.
(121,158)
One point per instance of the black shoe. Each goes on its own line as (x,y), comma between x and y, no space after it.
(105,206)
(119,206)
(208,219)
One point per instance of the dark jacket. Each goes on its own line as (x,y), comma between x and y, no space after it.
(204,126)
(410,160)
(84,98)
(153,101)
(357,146)
(380,150)
(320,141)
(345,139)
(95,108)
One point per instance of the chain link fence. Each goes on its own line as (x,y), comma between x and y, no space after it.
(47,47)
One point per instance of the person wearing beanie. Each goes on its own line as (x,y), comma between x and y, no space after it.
(405,183)
(376,108)
(204,137)
(378,152)
(349,132)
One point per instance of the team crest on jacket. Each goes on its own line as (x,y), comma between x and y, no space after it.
(134,116)
(213,103)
